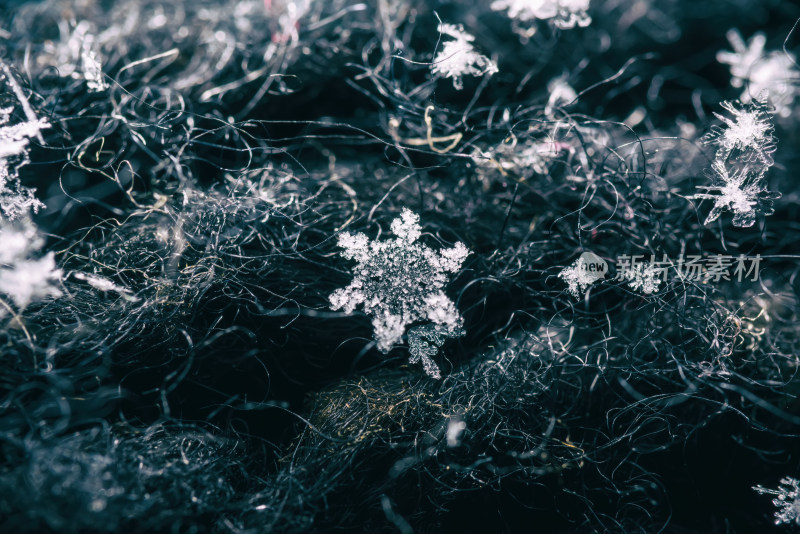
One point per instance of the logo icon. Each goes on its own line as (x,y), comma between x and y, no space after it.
(592,267)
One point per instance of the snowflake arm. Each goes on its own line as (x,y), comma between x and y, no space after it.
(787,500)
(424,342)
(744,55)
(15,199)
(356,247)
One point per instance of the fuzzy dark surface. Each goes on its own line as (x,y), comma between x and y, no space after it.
(211,179)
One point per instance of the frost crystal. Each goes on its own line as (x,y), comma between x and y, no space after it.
(583,272)
(22,277)
(758,72)
(739,191)
(644,277)
(104,284)
(458,58)
(746,138)
(519,157)
(399,282)
(749,132)
(16,199)
(787,500)
(565,14)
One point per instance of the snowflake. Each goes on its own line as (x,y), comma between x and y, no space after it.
(399,282)
(565,14)
(22,277)
(521,157)
(583,273)
(16,199)
(644,277)
(105,285)
(738,192)
(561,93)
(749,132)
(758,73)
(458,58)
(787,501)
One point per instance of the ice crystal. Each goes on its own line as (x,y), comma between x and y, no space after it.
(740,191)
(398,282)
(23,277)
(583,272)
(564,14)
(458,57)
(758,72)
(749,133)
(16,199)
(424,342)
(787,500)
(644,277)
(519,157)
(561,93)
(105,285)
(455,431)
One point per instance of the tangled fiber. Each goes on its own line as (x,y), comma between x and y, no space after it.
(178,181)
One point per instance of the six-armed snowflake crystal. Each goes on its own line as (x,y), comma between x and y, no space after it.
(399,282)
(787,500)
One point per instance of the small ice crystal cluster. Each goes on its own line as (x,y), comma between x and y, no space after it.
(519,157)
(773,73)
(787,500)
(458,57)
(76,56)
(23,277)
(644,277)
(105,285)
(564,14)
(398,282)
(745,144)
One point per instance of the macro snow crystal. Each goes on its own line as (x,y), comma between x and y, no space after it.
(787,500)
(16,199)
(399,282)
(749,132)
(458,57)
